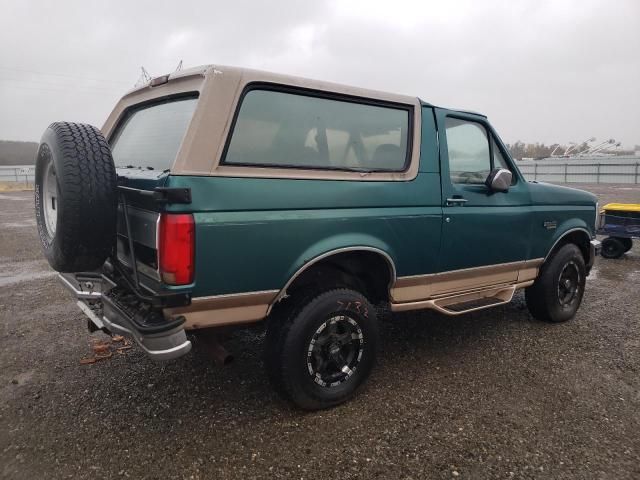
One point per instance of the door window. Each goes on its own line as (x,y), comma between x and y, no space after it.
(468,148)
(470,159)
(499,161)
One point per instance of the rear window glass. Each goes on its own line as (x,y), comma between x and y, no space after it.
(151,136)
(282,129)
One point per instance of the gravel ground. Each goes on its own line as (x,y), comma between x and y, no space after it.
(486,395)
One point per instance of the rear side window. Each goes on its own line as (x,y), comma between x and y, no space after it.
(150,137)
(282,129)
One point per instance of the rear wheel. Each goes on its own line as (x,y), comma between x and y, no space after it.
(627,243)
(321,348)
(612,247)
(557,293)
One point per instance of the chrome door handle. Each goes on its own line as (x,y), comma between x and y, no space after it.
(456,201)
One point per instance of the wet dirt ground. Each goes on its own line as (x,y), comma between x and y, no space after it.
(493,394)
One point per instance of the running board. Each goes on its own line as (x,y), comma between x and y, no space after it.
(464,302)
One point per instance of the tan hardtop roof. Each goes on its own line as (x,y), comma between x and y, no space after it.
(220,92)
(251,75)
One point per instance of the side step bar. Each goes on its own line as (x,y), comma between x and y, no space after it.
(464,302)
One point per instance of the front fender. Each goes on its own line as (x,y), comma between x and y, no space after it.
(568,226)
(580,234)
(552,223)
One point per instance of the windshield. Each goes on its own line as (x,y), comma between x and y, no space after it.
(151,136)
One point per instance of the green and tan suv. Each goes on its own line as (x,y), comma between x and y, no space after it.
(219,196)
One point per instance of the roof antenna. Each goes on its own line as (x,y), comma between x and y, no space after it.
(179,67)
(144,77)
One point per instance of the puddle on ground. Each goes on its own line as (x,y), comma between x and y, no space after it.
(22,378)
(25,224)
(11,197)
(12,273)
(634,275)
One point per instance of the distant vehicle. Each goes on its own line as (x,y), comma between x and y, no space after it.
(621,222)
(221,196)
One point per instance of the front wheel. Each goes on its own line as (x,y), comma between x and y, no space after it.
(322,348)
(557,292)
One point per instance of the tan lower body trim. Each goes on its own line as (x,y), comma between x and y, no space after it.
(435,291)
(424,287)
(221,310)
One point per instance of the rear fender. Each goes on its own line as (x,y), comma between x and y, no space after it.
(334,245)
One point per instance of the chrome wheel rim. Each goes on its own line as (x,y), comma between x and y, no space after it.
(335,351)
(50,198)
(568,284)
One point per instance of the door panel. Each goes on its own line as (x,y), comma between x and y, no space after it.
(480,227)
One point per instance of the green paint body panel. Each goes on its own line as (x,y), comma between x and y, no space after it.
(570,208)
(489,228)
(503,227)
(253,234)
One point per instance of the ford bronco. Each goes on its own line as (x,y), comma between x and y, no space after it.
(220,196)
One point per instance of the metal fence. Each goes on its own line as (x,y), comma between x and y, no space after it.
(18,173)
(583,170)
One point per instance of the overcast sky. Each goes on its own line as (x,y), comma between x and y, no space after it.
(548,71)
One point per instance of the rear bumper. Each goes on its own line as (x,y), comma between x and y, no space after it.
(159,340)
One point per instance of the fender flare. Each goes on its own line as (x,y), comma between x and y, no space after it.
(563,235)
(329,253)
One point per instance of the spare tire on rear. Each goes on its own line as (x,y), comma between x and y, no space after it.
(75,197)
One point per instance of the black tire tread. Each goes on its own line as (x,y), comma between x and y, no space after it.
(87,185)
(540,296)
(278,326)
(278,330)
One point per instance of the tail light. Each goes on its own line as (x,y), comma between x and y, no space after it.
(176,248)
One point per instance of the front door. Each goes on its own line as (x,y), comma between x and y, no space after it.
(481,228)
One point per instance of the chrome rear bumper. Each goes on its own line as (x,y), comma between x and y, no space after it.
(90,290)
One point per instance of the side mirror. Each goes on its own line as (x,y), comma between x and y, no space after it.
(499,180)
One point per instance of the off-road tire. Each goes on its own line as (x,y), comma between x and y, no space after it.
(289,333)
(612,247)
(86,197)
(543,298)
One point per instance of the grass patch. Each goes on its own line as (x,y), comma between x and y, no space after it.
(15,187)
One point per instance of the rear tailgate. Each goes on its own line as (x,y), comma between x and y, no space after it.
(141,216)
(136,189)
(145,142)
